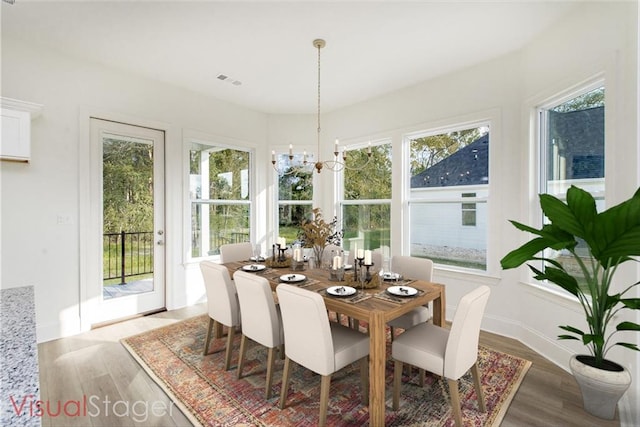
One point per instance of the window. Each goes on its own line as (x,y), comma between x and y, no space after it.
(572,150)
(295,194)
(366,199)
(448,188)
(468,211)
(572,144)
(220,195)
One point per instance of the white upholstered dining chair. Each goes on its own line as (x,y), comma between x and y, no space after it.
(236,252)
(412,268)
(261,320)
(222,304)
(319,345)
(448,353)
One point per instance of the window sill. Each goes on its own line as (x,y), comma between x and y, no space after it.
(480,277)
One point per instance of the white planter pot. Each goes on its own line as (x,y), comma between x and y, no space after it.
(601,389)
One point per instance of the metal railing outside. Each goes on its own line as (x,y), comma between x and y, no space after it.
(127,255)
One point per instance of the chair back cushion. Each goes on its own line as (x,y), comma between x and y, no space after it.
(236,252)
(222,301)
(307,334)
(412,267)
(260,318)
(462,347)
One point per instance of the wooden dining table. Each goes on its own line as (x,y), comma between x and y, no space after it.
(374,306)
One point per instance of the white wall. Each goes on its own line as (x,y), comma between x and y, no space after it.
(35,249)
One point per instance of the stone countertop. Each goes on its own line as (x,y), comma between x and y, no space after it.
(19,374)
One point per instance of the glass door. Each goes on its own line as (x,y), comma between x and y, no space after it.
(128,205)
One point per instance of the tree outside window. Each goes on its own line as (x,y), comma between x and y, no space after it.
(220,198)
(366,202)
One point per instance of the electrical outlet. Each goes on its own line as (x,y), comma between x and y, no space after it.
(64,219)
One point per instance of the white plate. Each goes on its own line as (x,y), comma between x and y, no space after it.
(292,278)
(402,291)
(254,267)
(390,276)
(348,266)
(341,291)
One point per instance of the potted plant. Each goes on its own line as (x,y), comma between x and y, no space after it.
(597,243)
(316,233)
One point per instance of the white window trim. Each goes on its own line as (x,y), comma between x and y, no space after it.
(190,137)
(490,119)
(537,184)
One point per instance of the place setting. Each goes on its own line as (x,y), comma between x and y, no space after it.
(346,293)
(254,268)
(399,293)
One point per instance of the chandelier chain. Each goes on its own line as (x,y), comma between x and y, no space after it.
(319,46)
(334,165)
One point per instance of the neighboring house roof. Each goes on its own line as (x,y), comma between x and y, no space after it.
(467,166)
(578,136)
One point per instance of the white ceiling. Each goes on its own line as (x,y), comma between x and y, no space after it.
(372,47)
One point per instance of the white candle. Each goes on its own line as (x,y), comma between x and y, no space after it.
(297,254)
(273,156)
(360,253)
(355,250)
(367,257)
(335,150)
(336,262)
(290,149)
(369,148)
(283,242)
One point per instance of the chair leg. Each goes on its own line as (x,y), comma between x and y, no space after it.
(475,372)
(393,332)
(422,377)
(364,379)
(227,356)
(397,382)
(243,350)
(285,382)
(207,340)
(325,384)
(271,360)
(455,401)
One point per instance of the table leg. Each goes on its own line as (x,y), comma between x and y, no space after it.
(438,309)
(377,345)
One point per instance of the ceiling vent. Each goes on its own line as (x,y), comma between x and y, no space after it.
(228,79)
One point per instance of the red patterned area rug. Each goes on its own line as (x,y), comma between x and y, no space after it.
(210,396)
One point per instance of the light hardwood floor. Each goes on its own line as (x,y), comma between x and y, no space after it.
(96,365)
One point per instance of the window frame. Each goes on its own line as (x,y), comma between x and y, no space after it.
(311,158)
(341,202)
(223,144)
(492,122)
(539,140)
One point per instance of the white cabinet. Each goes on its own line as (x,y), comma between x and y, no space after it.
(15,143)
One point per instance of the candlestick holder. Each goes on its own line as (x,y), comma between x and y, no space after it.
(368,273)
(357,267)
(281,251)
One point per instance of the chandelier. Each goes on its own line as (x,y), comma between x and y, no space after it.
(338,163)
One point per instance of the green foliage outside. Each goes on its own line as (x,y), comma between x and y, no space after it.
(127,206)
(222,193)
(428,150)
(128,186)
